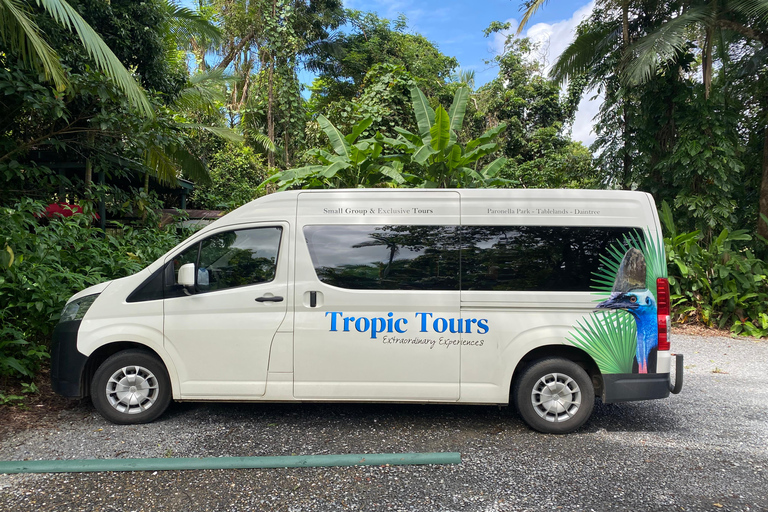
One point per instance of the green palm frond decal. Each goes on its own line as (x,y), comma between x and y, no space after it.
(652,247)
(610,338)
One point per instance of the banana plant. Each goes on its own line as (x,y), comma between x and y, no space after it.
(352,164)
(435,157)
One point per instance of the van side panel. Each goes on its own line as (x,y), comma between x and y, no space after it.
(516,327)
(338,356)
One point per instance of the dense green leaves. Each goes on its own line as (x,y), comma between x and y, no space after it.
(720,283)
(54,261)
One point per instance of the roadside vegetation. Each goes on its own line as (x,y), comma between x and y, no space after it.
(104,106)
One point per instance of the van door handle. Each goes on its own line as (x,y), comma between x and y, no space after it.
(269,299)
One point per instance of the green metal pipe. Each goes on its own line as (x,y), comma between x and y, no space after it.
(300,461)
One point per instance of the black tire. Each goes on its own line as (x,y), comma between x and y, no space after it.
(131,387)
(554,396)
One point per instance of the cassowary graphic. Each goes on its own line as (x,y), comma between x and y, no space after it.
(630,293)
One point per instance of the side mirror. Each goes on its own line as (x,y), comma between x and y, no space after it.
(187,276)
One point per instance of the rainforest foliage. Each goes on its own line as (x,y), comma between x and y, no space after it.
(107,105)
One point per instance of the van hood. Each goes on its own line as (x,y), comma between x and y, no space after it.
(91,290)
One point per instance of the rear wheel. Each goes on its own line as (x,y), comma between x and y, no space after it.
(131,387)
(554,396)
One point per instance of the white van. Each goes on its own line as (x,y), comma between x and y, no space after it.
(545,298)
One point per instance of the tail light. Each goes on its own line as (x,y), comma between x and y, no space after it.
(663,312)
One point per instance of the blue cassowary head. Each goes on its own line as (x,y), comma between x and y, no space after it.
(638,303)
(630,294)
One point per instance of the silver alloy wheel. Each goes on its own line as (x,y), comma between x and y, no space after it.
(132,389)
(556,397)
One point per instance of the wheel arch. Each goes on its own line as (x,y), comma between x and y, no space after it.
(102,353)
(563,351)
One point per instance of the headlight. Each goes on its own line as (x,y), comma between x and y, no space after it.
(76,309)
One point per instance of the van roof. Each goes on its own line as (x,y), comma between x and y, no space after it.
(281,205)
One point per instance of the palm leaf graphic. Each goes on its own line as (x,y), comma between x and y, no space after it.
(610,338)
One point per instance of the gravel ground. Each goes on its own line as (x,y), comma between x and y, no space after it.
(705,449)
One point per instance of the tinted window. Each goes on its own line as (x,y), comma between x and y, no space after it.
(231,259)
(385,257)
(534,258)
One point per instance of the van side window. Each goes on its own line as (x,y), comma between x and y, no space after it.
(535,258)
(233,258)
(385,257)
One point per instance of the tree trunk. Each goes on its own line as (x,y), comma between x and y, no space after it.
(626,158)
(762,227)
(706,60)
(88,164)
(286,140)
(271,99)
(235,50)
(626,161)
(270,111)
(88,173)
(625,22)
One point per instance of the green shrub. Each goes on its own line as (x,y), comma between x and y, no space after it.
(236,172)
(721,284)
(44,263)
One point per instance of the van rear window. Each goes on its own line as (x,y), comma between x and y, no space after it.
(488,258)
(535,258)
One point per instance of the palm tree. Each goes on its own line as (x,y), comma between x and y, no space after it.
(591,48)
(666,42)
(22,35)
(708,16)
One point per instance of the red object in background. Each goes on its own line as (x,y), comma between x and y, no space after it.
(64,210)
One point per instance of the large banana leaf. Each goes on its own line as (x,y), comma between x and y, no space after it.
(441,130)
(338,142)
(425,116)
(457,110)
(421,154)
(358,129)
(394,171)
(410,137)
(330,171)
(490,170)
(485,138)
(477,153)
(454,157)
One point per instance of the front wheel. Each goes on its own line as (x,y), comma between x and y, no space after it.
(131,387)
(554,396)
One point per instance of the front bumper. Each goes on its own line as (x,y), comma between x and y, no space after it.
(67,364)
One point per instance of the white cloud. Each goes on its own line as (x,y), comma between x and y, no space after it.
(553,39)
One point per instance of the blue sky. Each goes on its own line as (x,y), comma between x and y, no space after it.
(456,27)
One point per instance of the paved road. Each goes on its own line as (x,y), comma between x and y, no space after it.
(705,449)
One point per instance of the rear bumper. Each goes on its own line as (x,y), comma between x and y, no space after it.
(67,363)
(626,387)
